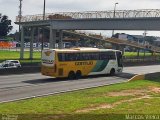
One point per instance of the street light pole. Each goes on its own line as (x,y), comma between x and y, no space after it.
(44,9)
(21,32)
(114,13)
(20,17)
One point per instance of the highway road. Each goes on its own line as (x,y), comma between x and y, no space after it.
(15,87)
(142,69)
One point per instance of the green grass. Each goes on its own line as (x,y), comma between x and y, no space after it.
(66,105)
(16,55)
(132,54)
(6,55)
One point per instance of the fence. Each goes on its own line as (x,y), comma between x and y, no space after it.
(6,45)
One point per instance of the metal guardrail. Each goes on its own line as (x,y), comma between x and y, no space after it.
(22,70)
(125,42)
(96,14)
(141,60)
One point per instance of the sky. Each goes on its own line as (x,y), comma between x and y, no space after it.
(31,7)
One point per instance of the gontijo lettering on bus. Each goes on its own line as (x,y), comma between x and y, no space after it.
(84,63)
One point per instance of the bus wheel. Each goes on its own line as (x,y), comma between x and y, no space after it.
(78,74)
(71,75)
(112,72)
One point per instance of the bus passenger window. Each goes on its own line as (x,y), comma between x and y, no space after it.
(60,57)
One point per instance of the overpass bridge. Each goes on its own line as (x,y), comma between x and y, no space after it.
(96,20)
(148,19)
(141,13)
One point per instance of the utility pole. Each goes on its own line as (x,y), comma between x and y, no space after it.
(44,9)
(20,18)
(21,32)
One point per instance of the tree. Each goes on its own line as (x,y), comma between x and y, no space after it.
(5,25)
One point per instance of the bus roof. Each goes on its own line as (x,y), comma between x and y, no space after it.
(82,49)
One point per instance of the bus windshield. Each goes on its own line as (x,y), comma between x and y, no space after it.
(48,57)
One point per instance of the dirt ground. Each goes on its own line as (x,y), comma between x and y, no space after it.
(137,94)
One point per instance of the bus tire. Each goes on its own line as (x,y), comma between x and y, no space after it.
(71,75)
(78,74)
(112,72)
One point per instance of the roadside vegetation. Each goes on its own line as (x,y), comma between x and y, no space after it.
(132,54)
(7,55)
(112,102)
(5,24)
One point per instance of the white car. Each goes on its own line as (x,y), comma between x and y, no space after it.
(1,66)
(16,62)
(10,64)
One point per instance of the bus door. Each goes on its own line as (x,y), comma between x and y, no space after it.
(119,59)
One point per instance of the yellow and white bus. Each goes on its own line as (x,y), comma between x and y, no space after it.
(77,62)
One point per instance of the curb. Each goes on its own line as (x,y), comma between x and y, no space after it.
(138,77)
(148,76)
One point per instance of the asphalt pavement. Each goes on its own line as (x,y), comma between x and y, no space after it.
(142,69)
(15,87)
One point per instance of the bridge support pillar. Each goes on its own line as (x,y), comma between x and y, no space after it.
(138,52)
(22,43)
(144,52)
(52,39)
(122,49)
(77,44)
(152,53)
(60,44)
(31,43)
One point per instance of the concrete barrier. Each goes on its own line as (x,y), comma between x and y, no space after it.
(142,63)
(152,76)
(22,70)
(137,77)
(148,76)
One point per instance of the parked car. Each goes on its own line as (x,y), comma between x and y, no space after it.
(10,64)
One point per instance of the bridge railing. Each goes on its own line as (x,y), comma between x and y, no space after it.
(95,14)
(154,48)
(135,44)
(126,42)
